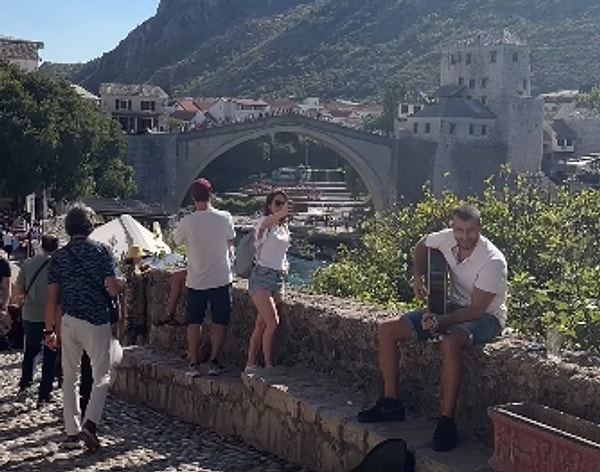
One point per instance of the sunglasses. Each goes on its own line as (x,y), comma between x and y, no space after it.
(279,203)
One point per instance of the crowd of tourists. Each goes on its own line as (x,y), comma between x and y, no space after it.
(69,295)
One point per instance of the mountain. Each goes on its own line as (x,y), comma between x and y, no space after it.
(349,48)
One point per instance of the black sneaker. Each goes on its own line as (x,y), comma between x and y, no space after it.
(386,409)
(89,437)
(71,442)
(445,435)
(215,368)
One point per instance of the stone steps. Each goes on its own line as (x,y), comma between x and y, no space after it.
(293,413)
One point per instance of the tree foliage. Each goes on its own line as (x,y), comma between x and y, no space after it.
(549,236)
(52,138)
(590,99)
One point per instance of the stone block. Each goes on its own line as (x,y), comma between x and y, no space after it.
(338,338)
(294,413)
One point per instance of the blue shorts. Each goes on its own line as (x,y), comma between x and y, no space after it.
(219,300)
(265,278)
(480,331)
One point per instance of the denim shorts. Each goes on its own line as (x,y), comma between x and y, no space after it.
(265,278)
(219,300)
(480,331)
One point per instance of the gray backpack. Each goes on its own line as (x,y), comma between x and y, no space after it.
(245,253)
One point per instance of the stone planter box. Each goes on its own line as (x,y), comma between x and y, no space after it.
(529,437)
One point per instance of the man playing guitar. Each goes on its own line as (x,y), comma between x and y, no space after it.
(476,315)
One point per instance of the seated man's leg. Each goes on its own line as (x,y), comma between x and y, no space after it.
(408,327)
(459,338)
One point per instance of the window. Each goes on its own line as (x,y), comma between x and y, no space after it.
(461,81)
(483,130)
(469,58)
(471,83)
(427,128)
(453,59)
(471,129)
(525,84)
(568,142)
(484,82)
(416,128)
(515,56)
(147,105)
(452,128)
(122,104)
(404,109)
(493,57)
(483,100)
(417,108)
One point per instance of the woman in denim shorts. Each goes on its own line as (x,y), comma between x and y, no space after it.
(272,240)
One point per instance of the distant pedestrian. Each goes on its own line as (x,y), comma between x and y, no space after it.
(32,287)
(5,296)
(7,239)
(82,280)
(208,235)
(272,241)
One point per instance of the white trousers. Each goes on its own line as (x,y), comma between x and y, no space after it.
(77,335)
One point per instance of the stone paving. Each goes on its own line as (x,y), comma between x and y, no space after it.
(134,438)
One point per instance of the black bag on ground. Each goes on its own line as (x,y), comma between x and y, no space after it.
(390,455)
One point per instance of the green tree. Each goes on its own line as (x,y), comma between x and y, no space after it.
(590,100)
(52,138)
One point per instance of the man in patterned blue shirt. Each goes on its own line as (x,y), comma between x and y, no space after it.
(81,281)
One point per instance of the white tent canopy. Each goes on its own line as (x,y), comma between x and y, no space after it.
(125,231)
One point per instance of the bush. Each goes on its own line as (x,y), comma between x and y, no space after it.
(550,238)
(249,206)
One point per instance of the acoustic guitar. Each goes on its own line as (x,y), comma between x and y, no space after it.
(437,282)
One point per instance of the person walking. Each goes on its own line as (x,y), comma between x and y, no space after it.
(32,287)
(266,284)
(208,235)
(81,283)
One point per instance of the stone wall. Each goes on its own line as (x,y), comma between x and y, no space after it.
(337,337)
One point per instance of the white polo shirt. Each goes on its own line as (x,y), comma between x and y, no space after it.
(206,235)
(272,246)
(485,269)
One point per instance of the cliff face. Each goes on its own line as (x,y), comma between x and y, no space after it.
(351,48)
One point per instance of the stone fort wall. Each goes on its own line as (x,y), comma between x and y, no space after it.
(338,338)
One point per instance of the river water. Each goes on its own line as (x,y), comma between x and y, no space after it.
(301,270)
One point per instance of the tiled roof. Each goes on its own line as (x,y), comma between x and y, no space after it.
(282,104)
(563,130)
(456,107)
(11,48)
(449,91)
(187,104)
(249,102)
(142,90)
(204,103)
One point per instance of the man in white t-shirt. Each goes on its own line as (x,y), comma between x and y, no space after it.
(476,315)
(208,235)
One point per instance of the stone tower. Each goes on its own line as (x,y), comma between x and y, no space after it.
(496,70)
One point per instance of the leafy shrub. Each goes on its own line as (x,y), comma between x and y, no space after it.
(550,238)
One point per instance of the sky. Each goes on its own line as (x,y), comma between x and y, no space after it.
(73,30)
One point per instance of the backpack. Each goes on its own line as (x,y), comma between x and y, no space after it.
(390,455)
(245,253)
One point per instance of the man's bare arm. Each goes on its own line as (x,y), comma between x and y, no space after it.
(420,259)
(480,302)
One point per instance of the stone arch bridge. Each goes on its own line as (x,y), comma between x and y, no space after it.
(166,164)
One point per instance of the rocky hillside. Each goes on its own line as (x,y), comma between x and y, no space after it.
(350,48)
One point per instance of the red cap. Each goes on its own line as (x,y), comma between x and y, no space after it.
(200,190)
